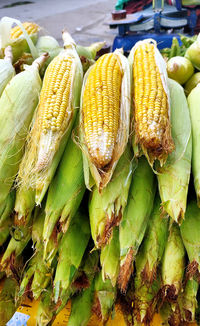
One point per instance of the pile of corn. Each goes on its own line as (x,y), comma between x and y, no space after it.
(97,199)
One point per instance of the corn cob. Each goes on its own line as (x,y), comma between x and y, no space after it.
(135,219)
(24,90)
(104,120)
(152,248)
(173,265)
(71,250)
(59,101)
(31,28)
(190,235)
(194,108)
(106,208)
(8,303)
(6,217)
(21,38)
(64,196)
(152,130)
(109,258)
(174,176)
(7,71)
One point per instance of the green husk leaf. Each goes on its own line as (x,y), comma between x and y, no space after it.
(8,302)
(104,298)
(190,235)
(110,258)
(81,307)
(106,208)
(7,70)
(90,52)
(195,122)
(6,217)
(24,204)
(173,265)
(71,250)
(15,118)
(64,196)
(173,177)
(188,301)
(135,218)
(153,245)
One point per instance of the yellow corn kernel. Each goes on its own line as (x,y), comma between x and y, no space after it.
(55,95)
(101,108)
(150,102)
(31,28)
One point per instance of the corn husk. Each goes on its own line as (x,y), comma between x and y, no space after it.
(38,274)
(188,301)
(152,248)
(92,173)
(104,298)
(135,219)
(192,83)
(90,52)
(7,70)
(173,265)
(173,177)
(64,196)
(190,235)
(6,220)
(71,251)
(195,122)
(48,44)
(110,258)
(106,208)
(8,302)
(167,145)
(44,150)
(179,69)
(15,118)
(24,44)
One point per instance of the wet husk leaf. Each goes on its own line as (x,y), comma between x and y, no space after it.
(173,177)
(106,208)
(110,258)
(135,218)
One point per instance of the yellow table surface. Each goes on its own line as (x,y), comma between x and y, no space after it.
(30,308)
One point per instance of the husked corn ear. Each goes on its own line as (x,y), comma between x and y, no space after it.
(30,27)
(54,108)
(105,115)
(58,105)
(151,102)
(101,108)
